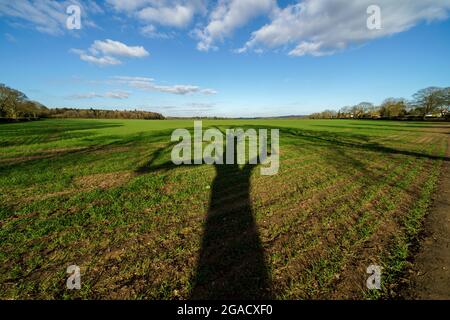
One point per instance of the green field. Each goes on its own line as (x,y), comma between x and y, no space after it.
(103,195)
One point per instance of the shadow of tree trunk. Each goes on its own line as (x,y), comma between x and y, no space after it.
(231,262)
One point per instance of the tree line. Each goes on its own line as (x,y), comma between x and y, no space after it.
(432,102)
(14,104)
(102,114)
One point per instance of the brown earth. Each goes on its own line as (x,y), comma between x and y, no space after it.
(430,272)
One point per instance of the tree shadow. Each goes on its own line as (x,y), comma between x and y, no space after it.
(350,141)
(151,164)
(19,134)
(383,127)
(231,262)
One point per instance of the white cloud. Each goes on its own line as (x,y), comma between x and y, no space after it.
(116,48)
(104,53)
(129,5)
(305,27)
(185,110)
(227,16)
(93,95)
(117,95)
(177,16)
(148,84)
(134,79)
(150,31)
(101,61)
(321,27)
(172,13)
(309,48)
(45,15)
(208,91)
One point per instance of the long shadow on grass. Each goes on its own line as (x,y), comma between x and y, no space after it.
(230,263)
(84,151)
(19,134)
(378,127)
(348,140)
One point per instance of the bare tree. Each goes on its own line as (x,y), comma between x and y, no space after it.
(429,100)
(444,106)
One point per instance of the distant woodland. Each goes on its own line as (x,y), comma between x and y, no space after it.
(428,103)
(15,105)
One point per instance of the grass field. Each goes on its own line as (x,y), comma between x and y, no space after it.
(103,195)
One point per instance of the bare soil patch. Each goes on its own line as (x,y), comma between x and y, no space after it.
(104,180)
(429,276)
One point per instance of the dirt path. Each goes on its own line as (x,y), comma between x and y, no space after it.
(430,274)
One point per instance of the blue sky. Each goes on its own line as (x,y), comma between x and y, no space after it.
(224,58)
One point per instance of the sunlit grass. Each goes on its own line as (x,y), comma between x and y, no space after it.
(348,194)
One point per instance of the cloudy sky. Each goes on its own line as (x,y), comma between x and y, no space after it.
(225,57)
